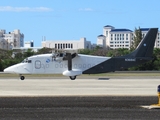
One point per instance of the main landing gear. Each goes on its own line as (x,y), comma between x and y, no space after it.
(22,77)
(72,77)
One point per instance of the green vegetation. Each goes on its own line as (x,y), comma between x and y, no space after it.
(137,38)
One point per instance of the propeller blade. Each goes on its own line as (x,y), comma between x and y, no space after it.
(69,57)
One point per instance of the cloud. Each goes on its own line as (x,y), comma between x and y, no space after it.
(24,9)
(85,9)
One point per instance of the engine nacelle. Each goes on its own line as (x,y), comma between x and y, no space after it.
(73,72)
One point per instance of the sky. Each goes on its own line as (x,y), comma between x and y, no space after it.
(74,19)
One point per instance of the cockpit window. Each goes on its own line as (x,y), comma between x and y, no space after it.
(27,61)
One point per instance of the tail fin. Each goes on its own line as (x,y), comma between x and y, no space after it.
(145,48)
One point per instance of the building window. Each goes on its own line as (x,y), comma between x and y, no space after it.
(58,46)
(55,45)
(64,46)
(106,33)
(71,45)
(61,46)
(68,45)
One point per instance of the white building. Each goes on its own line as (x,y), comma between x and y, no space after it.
(67,44)
(120,38)
(11,39)
(29,44)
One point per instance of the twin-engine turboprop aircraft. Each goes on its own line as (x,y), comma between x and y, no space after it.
(75,64)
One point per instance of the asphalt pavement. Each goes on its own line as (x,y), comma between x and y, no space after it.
(78,108)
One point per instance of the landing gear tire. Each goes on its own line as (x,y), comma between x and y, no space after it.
(22,77)
(72,77)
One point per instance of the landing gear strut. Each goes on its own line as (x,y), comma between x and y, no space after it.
(72,77)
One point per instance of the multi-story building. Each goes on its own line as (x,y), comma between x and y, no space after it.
(120,38)
(11,39)
(69,44)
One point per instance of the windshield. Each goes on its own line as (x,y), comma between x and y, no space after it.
(26,61)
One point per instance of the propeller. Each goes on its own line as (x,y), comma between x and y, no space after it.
(69,58)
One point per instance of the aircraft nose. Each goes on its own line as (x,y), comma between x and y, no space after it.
(18,68)
(9,70)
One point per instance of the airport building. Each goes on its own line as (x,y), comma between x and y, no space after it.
(67,44)
(11,39)
(120,38)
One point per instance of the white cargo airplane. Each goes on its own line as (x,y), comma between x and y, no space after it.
(74,64)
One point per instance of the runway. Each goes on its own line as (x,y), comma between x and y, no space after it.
(79,87)
(82,99)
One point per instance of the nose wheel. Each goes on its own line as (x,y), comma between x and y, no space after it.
(22,77)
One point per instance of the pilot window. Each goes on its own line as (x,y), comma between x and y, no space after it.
(27,61)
